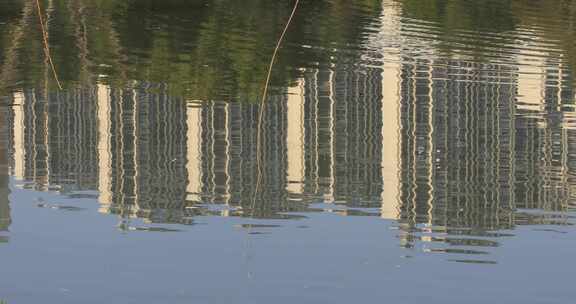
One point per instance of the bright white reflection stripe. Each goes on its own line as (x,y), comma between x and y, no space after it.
(19,135)
(295,138)
(391,82)
(330,196)
(194,156)
(104,146)
(227,195)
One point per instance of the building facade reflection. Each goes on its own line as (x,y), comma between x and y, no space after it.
(407,139)
(5,216)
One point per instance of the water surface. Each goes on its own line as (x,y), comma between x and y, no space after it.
(410,151)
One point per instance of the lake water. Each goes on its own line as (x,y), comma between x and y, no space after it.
(407,152)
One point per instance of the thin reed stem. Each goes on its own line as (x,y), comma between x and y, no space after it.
(263,106)
(46,46)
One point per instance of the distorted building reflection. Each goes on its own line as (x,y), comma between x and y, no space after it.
(5,218)
(54,138)
(473,157)
(420,143)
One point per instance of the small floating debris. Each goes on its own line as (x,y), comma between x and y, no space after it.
(59,207)
(248,226)
(550,230)
(153,229)
(474,261)
(54,188)
(454,251)
(82,196)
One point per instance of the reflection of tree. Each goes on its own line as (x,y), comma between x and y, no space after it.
(13,41)
(553,20)
(453,15)
(219,48)
(487,23)
(202,49)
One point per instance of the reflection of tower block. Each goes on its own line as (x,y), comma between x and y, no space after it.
(4,190)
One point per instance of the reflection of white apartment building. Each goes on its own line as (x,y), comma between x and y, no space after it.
(391,100)
(545,119)
(52,152)
(104,148)
(5,219)
(19,137)
(295,142)
(194,156)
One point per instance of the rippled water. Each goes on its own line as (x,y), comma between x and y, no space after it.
(410,151)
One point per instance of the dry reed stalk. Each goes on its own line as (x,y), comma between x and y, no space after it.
(263,106)
(46,46)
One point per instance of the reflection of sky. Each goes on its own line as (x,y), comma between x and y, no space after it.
(67,257)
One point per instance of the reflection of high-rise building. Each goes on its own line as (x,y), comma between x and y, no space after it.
(457,143)
(391,141)
(5,219)
(439,142)
(141,153)
(148,149)
(342,126)
(295,138)
(163,158)
(194,148)
(358,136)
(478,141)
(422,142)
(54,138)
(391,100)
(544,143)
(104,152)
(19,137)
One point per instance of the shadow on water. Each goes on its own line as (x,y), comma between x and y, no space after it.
(458,132)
